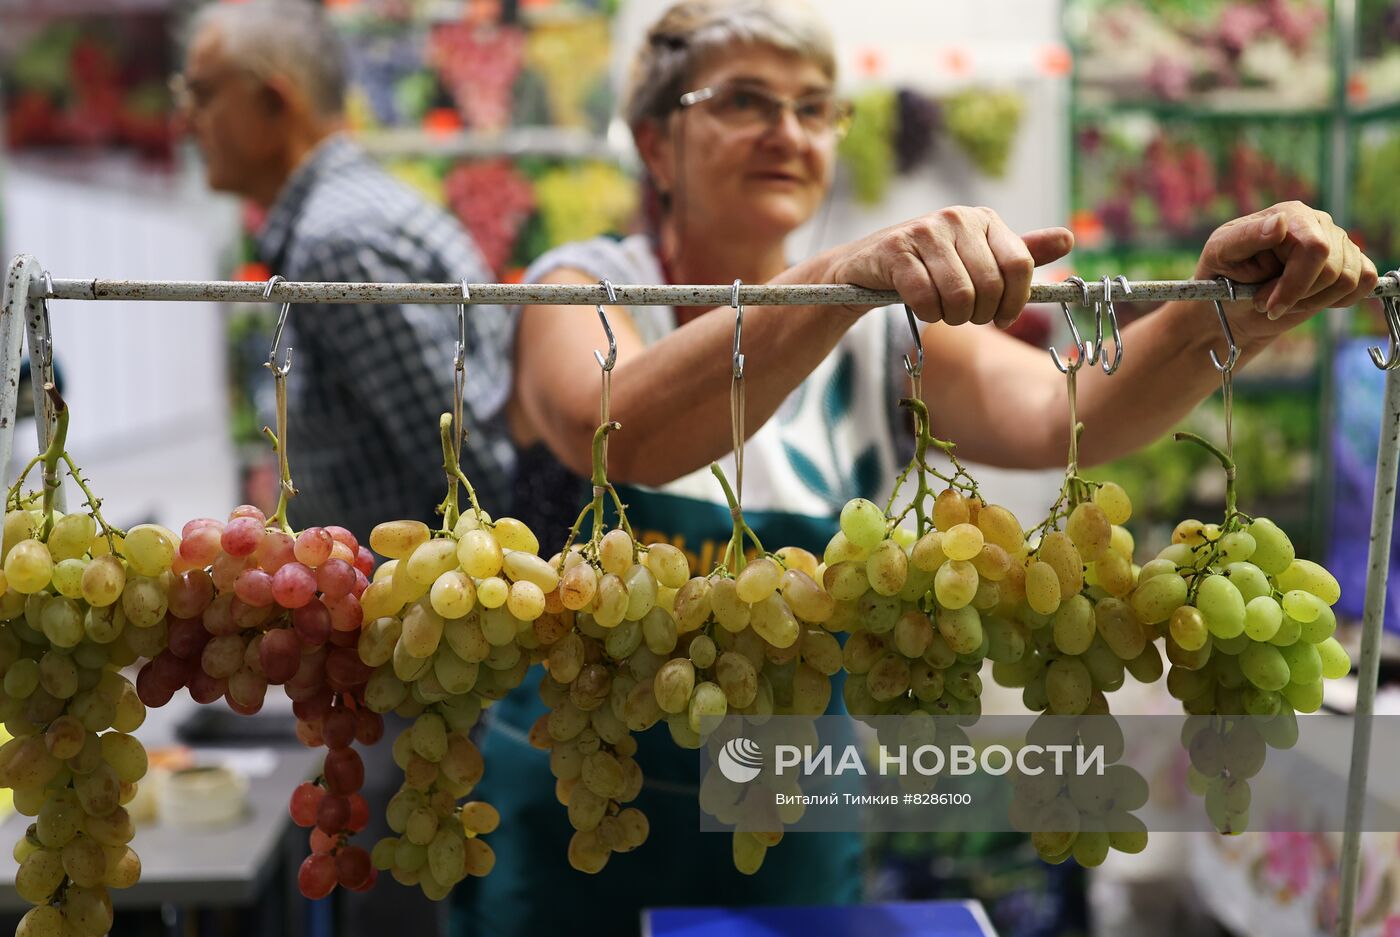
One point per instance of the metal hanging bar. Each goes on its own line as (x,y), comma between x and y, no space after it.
(450,294)
(1368,667)
(18,282)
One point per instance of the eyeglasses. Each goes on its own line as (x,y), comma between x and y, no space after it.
(747,107)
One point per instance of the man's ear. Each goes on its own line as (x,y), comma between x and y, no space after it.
(281,96)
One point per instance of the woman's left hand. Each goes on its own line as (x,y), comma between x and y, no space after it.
(1302,261)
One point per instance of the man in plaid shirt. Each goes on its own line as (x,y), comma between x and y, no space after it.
(263,95)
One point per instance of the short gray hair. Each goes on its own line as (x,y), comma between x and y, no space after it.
(292,38)
(678,43)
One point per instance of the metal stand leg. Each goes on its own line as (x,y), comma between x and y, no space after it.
(19,280)
(1377,576)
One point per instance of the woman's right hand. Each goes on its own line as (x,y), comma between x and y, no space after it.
(957,265)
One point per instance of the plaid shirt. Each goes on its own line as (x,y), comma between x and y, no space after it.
(369,382)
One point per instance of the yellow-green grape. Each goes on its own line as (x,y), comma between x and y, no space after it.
(453,594)
(521,566)
(1237,546)
(758,580)
(479,554)
(428,736)
(422,630)
(960,628)
(58,675)
(748,853)
(955,584)
(846,581)
(126,756)
(1114,502)
(1042,587)
(950,509)
(1304,697)
(668,564)
(84,861)
(513,534)
(525,600)
(22,679)
(992,562)
(615,552)
(1302,606)
(397,540)
(1250,580)
(863,523)
(703,651)
(479,818)
(707,707)
(1273,551)
(456,675)
(641,592)
(1335,661)
(886,568)
(59,819)
(1121,631)
(962,542)
(928,554)
(430,560)
(1122,543)
(492,592)
(1090,530)
(150,549)
(912,633)
(1146,668)
(841,550)
(1264,666)
(447,856)
(68,577)
(1113,572)
(1262,618)
(1179,555)
(731,613)
(1059,551)
(1304,662)
(736,675)
(577,587)
(610,603)
(1156,599)
(659,631)
(43,920)
(62,622)
(807,600)
(999,526)
(1222,605)
(888,678)
(144,601)
(774,622)
(1188,628)
(123,867)
(1073,625)
(377,640)
(1068,686)
(673,684)
(1310,577)
(692,604)
(39,875)
(28,567)
(1190,532)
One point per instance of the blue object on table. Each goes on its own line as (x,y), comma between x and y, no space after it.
(895,919)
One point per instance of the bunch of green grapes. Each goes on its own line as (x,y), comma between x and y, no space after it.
(78,604)
(1073,814)
(438,842)
(602,685)
(1249,633)
(923,614)
(1084,632)
(453,621)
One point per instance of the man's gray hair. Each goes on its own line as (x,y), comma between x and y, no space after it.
(291,38)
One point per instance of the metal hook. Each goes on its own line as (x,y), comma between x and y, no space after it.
(277,333)
(1233,353)
(607,363)
(915,367)
(459,360)
(738,328)
(1080,345)
(1112,322)
(45,349)
(1391,360)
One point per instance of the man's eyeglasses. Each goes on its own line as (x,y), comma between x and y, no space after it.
(747,107)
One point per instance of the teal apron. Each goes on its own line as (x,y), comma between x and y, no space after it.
(533,891)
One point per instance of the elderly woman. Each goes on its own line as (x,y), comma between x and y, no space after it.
(733,107)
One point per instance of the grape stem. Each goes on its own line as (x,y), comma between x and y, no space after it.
(736,539)
(53,454)
(455,476)
(1074,492)
(285,485)
(923,439)
(1225,461)
(94,504)
(601,486)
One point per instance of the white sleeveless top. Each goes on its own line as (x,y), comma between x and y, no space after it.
(839,435)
